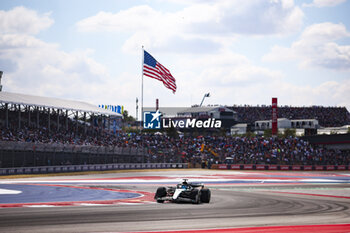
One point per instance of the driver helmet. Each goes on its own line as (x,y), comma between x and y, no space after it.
(184,184)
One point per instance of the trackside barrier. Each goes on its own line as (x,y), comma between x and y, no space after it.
(282,167)
(296,168)
(95,167)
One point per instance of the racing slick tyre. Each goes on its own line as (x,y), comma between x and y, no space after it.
(196,196)
(205,195)
(161,192)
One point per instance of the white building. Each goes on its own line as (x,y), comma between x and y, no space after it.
(283,123)
(239,129)
(305,124)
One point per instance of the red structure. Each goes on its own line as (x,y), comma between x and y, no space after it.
(274,116)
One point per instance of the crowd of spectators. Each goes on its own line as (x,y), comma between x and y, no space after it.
(326,116)
(243,150)
(193,149)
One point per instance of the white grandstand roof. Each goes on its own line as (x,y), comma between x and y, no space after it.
(48,102)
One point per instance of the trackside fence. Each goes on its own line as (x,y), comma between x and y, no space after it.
(28,154)
(273,167)
(94,167)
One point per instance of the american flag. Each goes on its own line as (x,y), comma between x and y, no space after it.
(154,69)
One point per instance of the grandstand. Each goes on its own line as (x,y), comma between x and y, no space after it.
(37,111)
(41,131)
(326,116)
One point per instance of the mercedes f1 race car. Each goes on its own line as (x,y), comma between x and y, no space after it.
(184,192)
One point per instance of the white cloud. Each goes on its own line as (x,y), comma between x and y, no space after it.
(33,66)
(258,86)
(43,69)
(329,93)
(232,79)
(21,20)
(324,3)
(317,48)
(324,32)
(228,69)
(9,42)
(198,23)
(36,67)
(137,18)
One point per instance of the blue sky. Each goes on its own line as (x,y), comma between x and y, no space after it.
(242,52)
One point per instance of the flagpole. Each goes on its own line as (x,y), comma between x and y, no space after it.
(143,58)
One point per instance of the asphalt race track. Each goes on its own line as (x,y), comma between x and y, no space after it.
(122,202)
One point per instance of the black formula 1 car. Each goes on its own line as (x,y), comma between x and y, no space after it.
(184,192)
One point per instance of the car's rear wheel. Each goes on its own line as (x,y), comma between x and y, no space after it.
(205,195)
(161,192)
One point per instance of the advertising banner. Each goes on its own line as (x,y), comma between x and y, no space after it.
(235,167)
(27,170)
(248,166)
(19,171)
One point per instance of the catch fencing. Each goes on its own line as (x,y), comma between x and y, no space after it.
(94,167)
(27,154)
